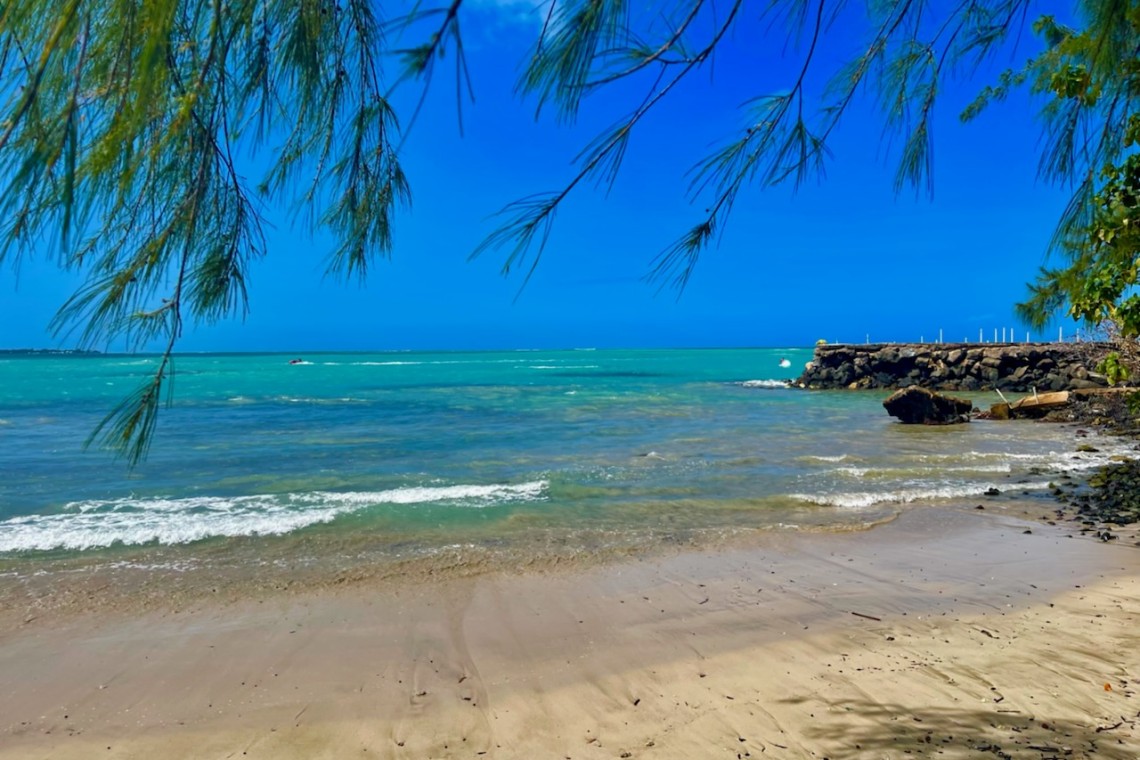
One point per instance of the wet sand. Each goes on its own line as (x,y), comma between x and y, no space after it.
(942,634)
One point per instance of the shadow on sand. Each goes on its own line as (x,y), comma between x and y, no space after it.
(875,730)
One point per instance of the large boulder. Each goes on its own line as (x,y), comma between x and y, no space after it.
(918,406)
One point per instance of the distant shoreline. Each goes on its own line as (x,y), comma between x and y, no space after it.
(366,351)
(49,352)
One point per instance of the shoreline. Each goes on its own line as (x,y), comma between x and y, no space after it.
(161,584)
(80,586)
(803,645)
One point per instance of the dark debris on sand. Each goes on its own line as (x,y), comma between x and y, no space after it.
(1107,411)
(1110,496)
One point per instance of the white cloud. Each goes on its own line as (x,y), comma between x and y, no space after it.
(528,12)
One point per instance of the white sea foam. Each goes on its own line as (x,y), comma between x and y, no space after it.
(95,524)
(887,472)
(395,363)
(764,384)
(562,366)
(1080,462)
(859,499)
(364,364)
(821,458)
(1106,449)
(1000,461)
(985,455)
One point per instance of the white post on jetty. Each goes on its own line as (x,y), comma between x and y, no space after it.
(980,338)
(939,334)
(995,335)
(1060,334)
(1003,335)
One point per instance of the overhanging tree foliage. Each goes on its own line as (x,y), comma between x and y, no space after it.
(1099,279)
(1092,76)
(121,120)
(120,127)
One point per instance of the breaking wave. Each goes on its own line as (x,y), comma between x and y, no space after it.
(764,384)
(859,499)
(133,521)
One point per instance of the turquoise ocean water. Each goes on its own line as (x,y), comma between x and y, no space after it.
(397,455)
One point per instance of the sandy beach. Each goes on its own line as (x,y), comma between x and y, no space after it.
(945,633)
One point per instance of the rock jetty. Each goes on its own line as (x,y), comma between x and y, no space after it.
(1016,367)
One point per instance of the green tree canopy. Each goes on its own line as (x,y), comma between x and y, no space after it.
(120,120)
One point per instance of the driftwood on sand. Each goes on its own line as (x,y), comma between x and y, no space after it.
(1035,405)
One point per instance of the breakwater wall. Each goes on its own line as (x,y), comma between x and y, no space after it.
(1018,367)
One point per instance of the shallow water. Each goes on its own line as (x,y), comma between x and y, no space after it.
(398,455)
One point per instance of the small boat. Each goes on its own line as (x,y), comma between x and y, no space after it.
(296,361)
(785,363)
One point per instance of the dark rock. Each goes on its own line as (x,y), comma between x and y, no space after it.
(845,373)
(1009,367)
(919,406)
(1006,383)
(987,373)
(887,356)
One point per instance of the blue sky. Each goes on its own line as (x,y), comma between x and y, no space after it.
(840,260)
